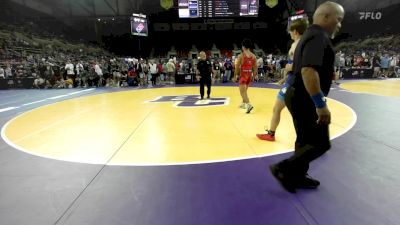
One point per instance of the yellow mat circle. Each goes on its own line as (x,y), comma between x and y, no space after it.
(390,87)
(163,126)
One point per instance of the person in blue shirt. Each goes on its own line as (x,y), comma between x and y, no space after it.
(385,62)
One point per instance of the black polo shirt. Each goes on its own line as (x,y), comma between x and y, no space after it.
(376,61)
(314,50)
(204,66)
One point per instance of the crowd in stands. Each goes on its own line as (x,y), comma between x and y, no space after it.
(381,54)
(54,62)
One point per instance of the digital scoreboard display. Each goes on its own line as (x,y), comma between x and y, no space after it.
(139,25)
(217,8)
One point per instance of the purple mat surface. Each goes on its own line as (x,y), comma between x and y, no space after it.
(359,181)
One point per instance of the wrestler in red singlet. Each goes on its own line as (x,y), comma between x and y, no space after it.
(246,69)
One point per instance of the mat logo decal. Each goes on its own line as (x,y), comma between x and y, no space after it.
(191,101)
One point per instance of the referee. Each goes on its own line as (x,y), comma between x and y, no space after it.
(313,66)
(204,73)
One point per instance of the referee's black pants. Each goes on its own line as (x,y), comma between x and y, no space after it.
(312,139)
(205,81)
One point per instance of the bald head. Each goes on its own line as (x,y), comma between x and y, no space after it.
(326,9)
(202,55)
(329,16)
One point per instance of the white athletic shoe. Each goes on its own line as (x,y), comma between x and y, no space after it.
(249,108)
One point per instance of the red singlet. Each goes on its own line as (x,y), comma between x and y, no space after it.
(246,69)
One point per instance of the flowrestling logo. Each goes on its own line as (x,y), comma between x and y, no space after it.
(191,101)
(370,15)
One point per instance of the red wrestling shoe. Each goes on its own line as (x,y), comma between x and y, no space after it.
(266,137)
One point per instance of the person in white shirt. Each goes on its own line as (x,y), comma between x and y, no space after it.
(153,72)
(143,72)
(98,69)
(7,71)
(69,67)
(79,68)
(260,65)
(99,72)
(2,73)
(79,71)
(171,71)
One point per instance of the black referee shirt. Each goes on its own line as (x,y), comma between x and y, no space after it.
(204,66)
(314,50)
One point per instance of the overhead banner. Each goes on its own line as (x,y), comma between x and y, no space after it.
(271,3)
(167,4)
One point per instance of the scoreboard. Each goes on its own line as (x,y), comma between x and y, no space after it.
(217,8)
(139,25)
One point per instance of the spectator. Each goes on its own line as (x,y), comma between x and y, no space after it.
(385,62)
(171,70)
(2,73)
(228,70)
(216,70)
(153,72)
(7,71)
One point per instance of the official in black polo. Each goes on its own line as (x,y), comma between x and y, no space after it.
(204,74)
(313,67)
